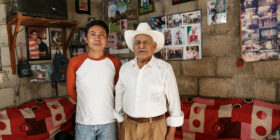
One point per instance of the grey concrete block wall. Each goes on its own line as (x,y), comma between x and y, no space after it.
(216,75)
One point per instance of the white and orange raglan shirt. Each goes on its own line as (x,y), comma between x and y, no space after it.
(90,82)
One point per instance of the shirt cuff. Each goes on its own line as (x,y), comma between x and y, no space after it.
(119,117)
(175,121)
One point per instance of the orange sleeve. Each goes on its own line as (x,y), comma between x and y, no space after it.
(117,63)
(71,80)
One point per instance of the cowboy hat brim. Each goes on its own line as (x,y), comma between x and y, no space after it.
(156,35)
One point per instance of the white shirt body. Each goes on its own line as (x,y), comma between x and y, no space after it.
(142,93)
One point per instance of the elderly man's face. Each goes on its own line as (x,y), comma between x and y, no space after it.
(144,46)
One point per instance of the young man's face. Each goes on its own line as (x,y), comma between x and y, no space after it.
(34,35)
(96,38)
(144,46)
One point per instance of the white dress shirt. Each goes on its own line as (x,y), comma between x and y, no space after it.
(142,93)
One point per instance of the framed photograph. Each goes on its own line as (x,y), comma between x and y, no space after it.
(79,37)
(132,14)
(82,6)
(115,14)
(55,36)
(37,42)
(145,6)
(174,2)
(77,50)
(41,73)
(90,19)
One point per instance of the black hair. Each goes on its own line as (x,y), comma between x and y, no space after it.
(213,17)
(98,23)
(32,31)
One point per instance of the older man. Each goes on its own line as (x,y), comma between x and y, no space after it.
(145,84)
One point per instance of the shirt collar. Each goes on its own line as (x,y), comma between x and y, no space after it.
(150,63)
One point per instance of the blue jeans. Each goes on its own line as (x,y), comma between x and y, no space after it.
(96,132)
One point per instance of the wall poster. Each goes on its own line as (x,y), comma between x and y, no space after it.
(260,31)
(216,12)
(182,32)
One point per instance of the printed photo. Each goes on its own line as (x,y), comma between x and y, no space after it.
(167,36)
(40,73)
(249,4)
(251,46)
(192,52)
(161,54)
(174,20)
(193,34)
(191,17)
(267,11)
(251,13)
(179,36)
(79,37)
(175,53)
(112,40)
(77,50)
(268,33)
(249,24)
(268,22)
(250,34)
(38,43)
(158,22)
(269,44)
(56,39)
(216,12)
(115,14)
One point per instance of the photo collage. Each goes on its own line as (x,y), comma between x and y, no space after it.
(260,29)
(182,33)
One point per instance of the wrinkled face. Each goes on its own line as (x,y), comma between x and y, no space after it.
(144,46)
(96,38)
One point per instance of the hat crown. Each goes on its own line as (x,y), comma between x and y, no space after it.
(143,27)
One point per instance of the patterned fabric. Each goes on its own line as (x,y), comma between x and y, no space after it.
(39,119)
(238,119)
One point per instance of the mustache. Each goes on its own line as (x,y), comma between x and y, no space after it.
(141,50)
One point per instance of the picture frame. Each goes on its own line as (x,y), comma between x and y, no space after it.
(77,50)
(82,6)
(79,37)
(56,37)
(132,15)
(37,43)
(145,7)
(41,73)
(174,2)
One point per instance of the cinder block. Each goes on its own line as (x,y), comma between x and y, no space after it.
(225,66)
(187,86)
(7,97)
(205,67)
(267,69)
(3,35)
(176,65)
(243,86)
(216,87)
(265,90)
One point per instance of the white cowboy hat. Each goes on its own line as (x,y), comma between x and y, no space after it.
(144,28)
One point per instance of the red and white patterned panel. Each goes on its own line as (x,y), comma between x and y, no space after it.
(261,122)
(225,111)
(197,117)
(5,126)
(57,112)
(27,113)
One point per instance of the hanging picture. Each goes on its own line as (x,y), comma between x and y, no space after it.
(82,6)
(182,35)
(56,37)
(132,15)
(90,19)
(38,47)
(77,50)
(121,47)
(145,6)
(115,14)
(40,73)
(79,37)
(112,40)
(260,32)
(216,12)
(174,2)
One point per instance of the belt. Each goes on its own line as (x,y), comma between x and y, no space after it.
(143,120)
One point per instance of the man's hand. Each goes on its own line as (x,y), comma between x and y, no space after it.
(171,133)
